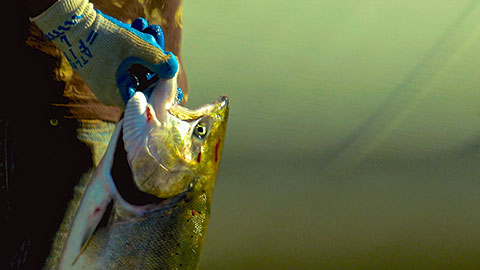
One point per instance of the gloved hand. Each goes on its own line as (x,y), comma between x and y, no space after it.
(102,49)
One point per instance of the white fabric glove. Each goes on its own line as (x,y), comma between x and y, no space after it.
(102,49)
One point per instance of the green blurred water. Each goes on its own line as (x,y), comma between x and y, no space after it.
(354,134)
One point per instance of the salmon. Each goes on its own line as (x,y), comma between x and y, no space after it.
(147,205)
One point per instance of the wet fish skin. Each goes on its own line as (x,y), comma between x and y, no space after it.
(174,239)
(171,159)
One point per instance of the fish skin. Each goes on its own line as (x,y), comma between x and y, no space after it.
(167,233)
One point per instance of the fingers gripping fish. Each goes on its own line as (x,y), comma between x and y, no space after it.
(148,204)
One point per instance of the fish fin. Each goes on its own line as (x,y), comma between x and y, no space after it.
(93,207)
(106,219)
(89,215)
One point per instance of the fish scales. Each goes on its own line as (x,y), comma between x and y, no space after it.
(174,245)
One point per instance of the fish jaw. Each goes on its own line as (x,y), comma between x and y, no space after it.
(163,151)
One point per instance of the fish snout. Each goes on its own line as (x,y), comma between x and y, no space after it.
(222,107)
(223,101)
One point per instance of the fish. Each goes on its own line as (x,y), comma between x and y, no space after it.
(147,205)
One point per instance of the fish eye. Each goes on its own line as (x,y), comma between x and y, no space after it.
(200,131)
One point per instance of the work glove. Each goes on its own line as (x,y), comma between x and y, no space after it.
(103,49)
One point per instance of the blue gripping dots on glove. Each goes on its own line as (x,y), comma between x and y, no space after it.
(152,34)
(140,24)
(157,33)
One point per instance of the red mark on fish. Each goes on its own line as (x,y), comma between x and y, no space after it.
(149,114)
(199,157)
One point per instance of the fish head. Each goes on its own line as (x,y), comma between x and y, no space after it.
(170,147)
(203,139)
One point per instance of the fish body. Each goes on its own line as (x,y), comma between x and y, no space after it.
(148,203)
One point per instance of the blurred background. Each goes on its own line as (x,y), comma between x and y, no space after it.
(354,134)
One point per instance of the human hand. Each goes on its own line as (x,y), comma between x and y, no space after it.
(102,49)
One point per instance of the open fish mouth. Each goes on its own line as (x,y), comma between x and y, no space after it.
(124,183)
